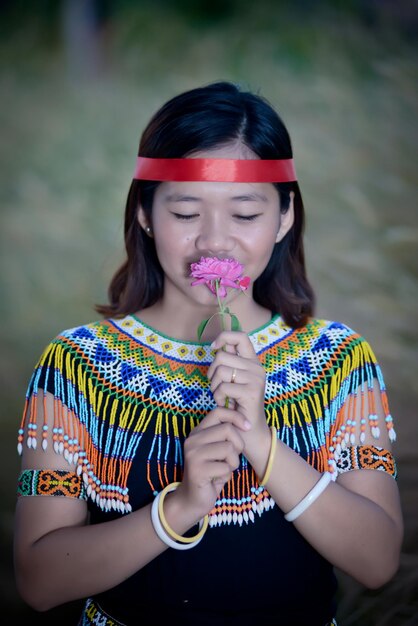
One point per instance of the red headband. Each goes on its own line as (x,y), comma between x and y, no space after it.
(216,170)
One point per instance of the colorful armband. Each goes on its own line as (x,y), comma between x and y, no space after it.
(34,482)
(366,457)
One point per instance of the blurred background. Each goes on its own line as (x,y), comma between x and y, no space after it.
(79,81)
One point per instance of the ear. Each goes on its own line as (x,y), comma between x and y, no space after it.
(286,220)
(144,221)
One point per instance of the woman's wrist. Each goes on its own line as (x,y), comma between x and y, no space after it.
(179,513)
(259,453)
(292,477)
(270,461)
(163,529)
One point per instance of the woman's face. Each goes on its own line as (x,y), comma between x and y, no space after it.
(215,219)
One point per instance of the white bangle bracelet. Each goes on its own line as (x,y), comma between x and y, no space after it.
(316,491)
(165,538)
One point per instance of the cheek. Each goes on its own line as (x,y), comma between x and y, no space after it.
(169,246)
(261,250)
(263,241)
(265,258)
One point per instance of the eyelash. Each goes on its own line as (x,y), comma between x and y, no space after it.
(246,218)
(180,216)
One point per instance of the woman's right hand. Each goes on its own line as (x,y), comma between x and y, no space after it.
(211,453)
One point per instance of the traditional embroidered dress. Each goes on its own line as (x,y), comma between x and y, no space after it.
(125,399)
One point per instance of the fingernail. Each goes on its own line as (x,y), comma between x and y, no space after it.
(213,344)
(247,425)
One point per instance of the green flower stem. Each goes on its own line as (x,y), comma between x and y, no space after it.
(222,314)
(221,306)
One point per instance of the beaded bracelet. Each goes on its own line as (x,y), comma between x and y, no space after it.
(167,534)
(306,502)
(273,446)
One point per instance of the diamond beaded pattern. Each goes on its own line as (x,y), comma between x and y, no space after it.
(125,392)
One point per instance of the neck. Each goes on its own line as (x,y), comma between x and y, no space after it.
(184,324)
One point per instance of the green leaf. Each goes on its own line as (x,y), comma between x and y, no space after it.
(235,325)
(202,327)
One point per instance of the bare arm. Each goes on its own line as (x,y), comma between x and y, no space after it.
(59,557)
(356,523)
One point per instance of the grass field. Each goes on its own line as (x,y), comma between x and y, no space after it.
(71,117)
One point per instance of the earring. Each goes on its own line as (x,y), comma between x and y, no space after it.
(148,230)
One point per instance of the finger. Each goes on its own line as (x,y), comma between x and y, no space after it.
(218,472)
(238,340)
(253,374)
(224,377)
(220,453)
(233,361)
(232,391)
(220,433)
(205,460)
(223,415)
(219,481)
(229,348)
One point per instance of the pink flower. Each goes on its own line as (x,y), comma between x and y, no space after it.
(218,274)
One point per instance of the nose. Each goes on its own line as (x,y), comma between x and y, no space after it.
(214,236)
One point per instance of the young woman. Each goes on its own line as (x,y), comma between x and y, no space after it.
(212,481)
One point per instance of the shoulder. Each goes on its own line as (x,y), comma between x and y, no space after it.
(329,333)
(330,326)
(317,335)
(336,340)
(83,340)
(91,331)
(74,351)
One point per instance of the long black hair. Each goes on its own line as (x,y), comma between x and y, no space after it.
(202,119)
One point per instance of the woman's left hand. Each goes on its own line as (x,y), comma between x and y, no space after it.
(237,374)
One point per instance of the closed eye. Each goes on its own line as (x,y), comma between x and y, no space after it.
(182,216)
(247,218)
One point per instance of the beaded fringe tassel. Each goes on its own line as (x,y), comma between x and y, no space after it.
(325,420)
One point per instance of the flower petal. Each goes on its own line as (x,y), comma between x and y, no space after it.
(244,282)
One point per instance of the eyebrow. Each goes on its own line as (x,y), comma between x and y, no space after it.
(248,197)
(173,197)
